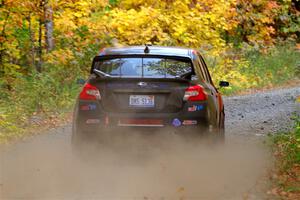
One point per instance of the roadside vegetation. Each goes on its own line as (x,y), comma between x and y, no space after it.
(46,45)
(286,149)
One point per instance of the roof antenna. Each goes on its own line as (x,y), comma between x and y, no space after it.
(147,50)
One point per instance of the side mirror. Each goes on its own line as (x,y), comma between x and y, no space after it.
(223,84)
(80,81)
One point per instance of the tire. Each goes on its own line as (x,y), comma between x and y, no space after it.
(216,133)
(77,142)
(85,143)
(220,130)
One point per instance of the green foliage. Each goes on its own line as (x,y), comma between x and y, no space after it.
(250,67)
(287,147)
(43,94)
(275,67)
(286,150)
(288,19)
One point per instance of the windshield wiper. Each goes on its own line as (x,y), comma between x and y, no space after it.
(100,73)
(184,75)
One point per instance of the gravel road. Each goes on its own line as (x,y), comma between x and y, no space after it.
(156,166)
(263,112)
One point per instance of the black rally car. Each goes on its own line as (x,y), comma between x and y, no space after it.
(150,87)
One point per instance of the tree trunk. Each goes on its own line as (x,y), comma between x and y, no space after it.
(48,12)
(40,37)
(4,37)
(32,40)
(40,47)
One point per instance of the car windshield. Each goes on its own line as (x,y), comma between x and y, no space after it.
(144,67)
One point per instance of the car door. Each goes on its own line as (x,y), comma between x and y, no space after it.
(211,90)
(217,94)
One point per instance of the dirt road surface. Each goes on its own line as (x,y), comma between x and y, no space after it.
(160,166)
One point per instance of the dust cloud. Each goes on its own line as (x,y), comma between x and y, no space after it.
(134,166)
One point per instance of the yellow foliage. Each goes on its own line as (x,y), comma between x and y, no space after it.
(176,22)
(60,56)
(83,26)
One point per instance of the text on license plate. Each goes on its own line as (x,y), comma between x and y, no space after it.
(141,100)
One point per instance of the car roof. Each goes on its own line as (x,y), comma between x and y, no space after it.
(153,50)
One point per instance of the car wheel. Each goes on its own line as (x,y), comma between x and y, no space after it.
(77,142)
(88,141)
(216,133)
(220,130)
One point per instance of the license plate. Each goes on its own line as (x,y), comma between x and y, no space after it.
(141,100)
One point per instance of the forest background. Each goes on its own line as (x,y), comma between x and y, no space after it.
(46,45)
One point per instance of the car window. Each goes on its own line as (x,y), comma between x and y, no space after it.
(198,70)
(144,67)
(153,67)
(124,66)
(203,69)
(206,71)
(203,74)
(175,67)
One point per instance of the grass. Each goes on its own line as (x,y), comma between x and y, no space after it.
(274,68)
(38,100)
(286,149)
(263,69)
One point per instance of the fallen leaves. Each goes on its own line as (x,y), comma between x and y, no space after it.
(286,177)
